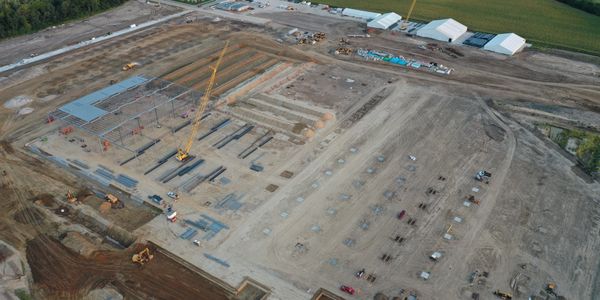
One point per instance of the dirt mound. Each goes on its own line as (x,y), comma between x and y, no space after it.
(30,215)
(79,243)
(46,200)
(7,147)
(495,132)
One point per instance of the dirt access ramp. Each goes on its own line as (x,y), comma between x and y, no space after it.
(59,273)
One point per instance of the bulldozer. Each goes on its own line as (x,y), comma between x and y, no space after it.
(142,257)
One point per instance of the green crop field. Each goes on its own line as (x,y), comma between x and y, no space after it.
(542,22)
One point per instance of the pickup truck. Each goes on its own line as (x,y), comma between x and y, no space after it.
(156,199)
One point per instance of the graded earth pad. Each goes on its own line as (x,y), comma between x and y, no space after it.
(307,167)
(64,274)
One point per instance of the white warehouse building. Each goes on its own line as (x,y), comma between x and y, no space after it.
(506,43)
(447,30)
(361,14)
(384,21)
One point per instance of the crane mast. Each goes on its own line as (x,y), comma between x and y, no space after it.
(184,153)
(405,22)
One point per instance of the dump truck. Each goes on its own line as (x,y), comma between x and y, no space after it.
(503,295)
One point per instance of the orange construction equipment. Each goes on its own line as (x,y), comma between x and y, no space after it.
(105,145)
(137,130)
(184,153)
(66,130)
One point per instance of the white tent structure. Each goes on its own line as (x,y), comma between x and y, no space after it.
(447,30)
(384,21)
(506,43)
(361,14)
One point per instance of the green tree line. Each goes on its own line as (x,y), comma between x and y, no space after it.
(588,150)
(585,5)
(26,16)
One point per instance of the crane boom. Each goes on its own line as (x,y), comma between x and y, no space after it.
(184,153)
(405,23)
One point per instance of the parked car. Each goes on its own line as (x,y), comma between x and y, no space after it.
(348,289)
(172,195)
(401,214)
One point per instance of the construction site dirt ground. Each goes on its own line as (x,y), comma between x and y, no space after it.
(400,139)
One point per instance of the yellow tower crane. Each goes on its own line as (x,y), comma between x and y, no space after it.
(405,23)
(184,153)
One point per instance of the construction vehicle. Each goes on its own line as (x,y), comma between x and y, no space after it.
(503,295)
(482,175)
(172,216)
(114,201)
(343,51)
(71,198)
(105,145)
(130,66)
(184,153)
(142,257)
(551,289)
(472,199)
(405,23)
(319,36)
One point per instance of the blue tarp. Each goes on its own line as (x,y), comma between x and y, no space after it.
(83,108)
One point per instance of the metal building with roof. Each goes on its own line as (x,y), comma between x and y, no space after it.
(447,30)
(506,43)
(361,14)
(84,109)
(384,21)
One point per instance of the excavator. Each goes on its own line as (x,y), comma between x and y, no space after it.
(142,257)
(184,153)
(71,198)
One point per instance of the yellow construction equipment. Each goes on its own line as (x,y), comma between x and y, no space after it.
(405,23)
(129,66)
(503,295)
(111,198)
(142,257)
(114,201)
(184,153)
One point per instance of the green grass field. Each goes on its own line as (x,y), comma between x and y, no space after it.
(541,22)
